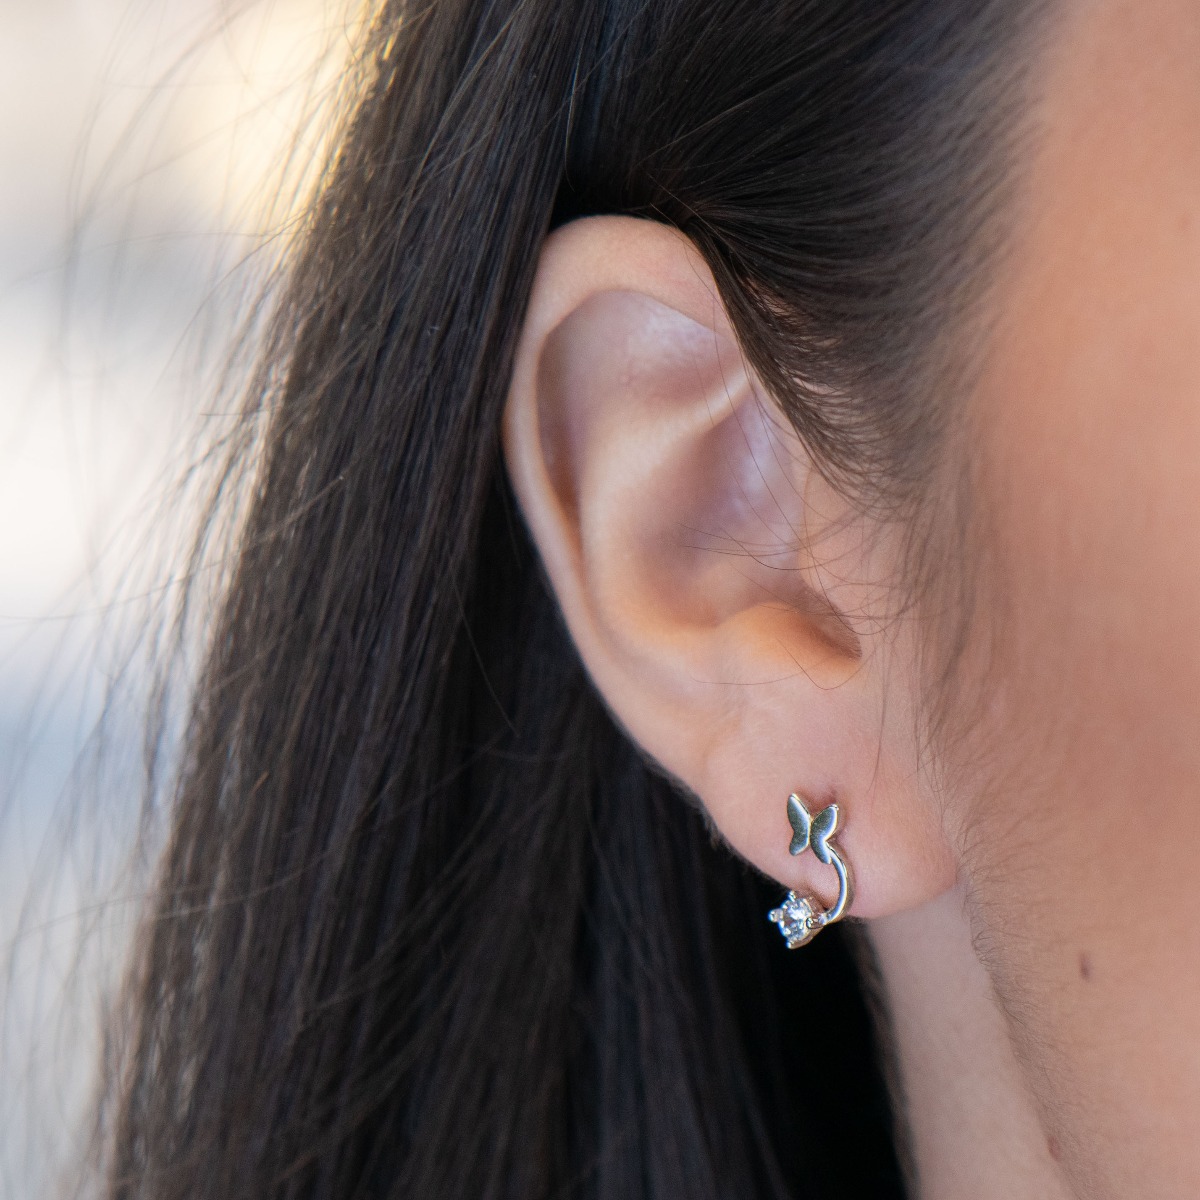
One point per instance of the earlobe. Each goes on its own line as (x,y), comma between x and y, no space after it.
(708,575)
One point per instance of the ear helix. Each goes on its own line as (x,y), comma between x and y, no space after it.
(800,918)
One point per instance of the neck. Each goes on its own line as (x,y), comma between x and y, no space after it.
(973,1126)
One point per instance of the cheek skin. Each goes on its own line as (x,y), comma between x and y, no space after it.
(1083,842)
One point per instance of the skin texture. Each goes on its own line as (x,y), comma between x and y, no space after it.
(1031,898)
(1085,826)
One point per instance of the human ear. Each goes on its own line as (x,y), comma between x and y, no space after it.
(720,593)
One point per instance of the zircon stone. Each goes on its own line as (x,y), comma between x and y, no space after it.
(793,917)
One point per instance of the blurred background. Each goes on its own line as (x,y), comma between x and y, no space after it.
(152,152)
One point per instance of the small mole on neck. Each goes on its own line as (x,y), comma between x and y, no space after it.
(1085,967)
(1055,1148)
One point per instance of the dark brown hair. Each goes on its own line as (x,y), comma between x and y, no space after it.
(427,924)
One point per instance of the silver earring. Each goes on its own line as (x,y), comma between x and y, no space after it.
(800,918)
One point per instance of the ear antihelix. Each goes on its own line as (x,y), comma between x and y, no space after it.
(801,918)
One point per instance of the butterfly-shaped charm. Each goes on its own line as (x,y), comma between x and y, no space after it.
(812,831)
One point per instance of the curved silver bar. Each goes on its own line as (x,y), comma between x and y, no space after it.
(845,891)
